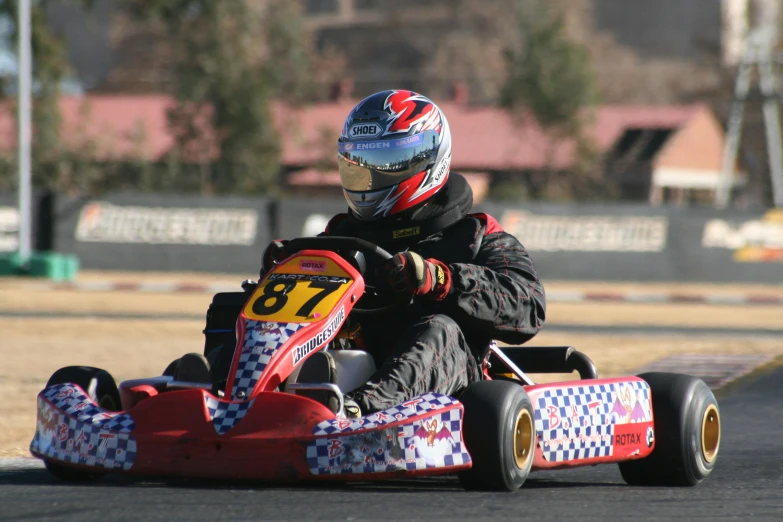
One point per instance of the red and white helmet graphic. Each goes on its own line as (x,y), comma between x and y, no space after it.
(394,153)
(411,112)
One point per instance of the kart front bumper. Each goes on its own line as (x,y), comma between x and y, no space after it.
(271,437)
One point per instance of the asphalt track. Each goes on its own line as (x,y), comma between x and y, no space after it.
(746,484)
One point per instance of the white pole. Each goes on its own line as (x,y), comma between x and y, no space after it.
(734,131)
(24,55)
(770,13)
(771,110)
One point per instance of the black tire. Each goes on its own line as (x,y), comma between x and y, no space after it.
(499,433)
(99,385)
(687,433)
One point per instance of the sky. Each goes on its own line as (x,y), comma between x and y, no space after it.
(7,58)
(8,62)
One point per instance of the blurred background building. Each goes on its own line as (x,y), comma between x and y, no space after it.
(648,85)
(394,44)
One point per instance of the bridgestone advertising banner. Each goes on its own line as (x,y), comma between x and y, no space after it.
(101,222)
(10,220)
(9,229)
(133,232)
(641,243)
(588,233)
(619,242)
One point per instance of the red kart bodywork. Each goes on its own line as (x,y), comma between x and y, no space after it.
(258,432)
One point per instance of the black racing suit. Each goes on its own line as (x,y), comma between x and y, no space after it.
(437,346)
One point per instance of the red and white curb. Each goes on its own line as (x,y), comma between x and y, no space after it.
(555,296)
(716,370)
(158,287)
(20,464)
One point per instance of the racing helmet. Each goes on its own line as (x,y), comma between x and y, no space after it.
(394,154)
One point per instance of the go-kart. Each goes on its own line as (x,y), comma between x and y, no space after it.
(257,424)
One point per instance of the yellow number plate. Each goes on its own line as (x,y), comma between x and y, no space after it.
(303,290)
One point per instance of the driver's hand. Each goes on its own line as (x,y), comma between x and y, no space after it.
(273,254)
(408,272)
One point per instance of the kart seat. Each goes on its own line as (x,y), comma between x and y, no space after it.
(353,368)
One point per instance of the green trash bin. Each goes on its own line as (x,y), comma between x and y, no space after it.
(10,264)
(51,265)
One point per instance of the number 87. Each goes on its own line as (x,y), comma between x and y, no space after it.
(275,297)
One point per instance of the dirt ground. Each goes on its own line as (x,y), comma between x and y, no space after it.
(32,349)
(23,297)
(591,286)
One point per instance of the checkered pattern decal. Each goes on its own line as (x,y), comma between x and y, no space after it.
(578,422)
(578,443)
(425,442)
(225,415)
(262,340)
(65,438)
(419,405)
(71,400)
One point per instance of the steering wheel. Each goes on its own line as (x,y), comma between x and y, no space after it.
(378,297)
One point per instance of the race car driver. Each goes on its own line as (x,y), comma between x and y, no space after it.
(470,281)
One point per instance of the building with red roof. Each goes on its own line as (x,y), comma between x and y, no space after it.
(657,153)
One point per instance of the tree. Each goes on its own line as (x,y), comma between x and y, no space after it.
(549,77)
(64,165)
(228,61)
(50,67)
(468,48)
(289,67)
(526,55)
(547,74)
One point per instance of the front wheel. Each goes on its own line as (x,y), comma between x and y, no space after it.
(499,434)
(687,433)
(99,385)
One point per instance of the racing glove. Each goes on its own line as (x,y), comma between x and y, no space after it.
(408,272)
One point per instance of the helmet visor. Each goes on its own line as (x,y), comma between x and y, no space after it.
(372,165)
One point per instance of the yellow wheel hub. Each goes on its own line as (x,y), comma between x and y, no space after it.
(710,433)
(523,439)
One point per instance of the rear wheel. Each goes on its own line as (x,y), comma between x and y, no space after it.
(687,433)
(499,434)
(99,385)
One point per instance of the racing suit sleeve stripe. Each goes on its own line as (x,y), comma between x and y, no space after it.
(491,224)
